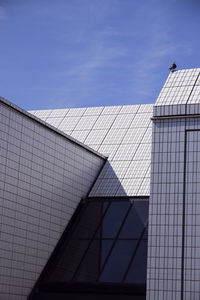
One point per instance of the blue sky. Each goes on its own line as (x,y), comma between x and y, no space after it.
(76,53)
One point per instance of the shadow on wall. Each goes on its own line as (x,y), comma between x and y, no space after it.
(103,250)
(121,179)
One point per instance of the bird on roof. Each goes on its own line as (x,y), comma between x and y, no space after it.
(173,67)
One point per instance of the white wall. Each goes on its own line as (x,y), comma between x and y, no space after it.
(173,270)
(165,211)
(44,175)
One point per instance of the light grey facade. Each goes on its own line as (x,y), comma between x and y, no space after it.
(174,226)
(123,133)
(52,159)
(44,175)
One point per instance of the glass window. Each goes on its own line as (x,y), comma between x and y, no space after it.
(138,269)
(114,218)
(88,221)
(118,261)
(68,261)
(106,243)
(135,221)
(105,248)
(90,265)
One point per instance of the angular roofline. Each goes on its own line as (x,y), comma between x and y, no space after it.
(187,69)
(100,106)
(43,123)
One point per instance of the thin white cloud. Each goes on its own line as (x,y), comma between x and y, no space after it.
(2,13)
(83,67)
(158,47)
(92,45)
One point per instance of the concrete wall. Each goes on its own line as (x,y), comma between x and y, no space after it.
(44,175)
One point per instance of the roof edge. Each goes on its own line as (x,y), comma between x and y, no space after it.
(68,137)
(105,106)
(186,69)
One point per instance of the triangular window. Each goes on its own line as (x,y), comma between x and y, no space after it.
(106,244)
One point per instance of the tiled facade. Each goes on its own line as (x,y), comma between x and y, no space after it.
(181,87)
(123,133)
(173,243)
(48,165)
(166,210)
(44,175)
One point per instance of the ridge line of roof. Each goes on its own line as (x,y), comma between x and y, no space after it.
(91,107)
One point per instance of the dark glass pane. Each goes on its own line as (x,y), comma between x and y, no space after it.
(81,259)
(93,261)
(145,236)
(114,218)
(105,204)
(90,265)
(138,269)
(89,221)
(118,261)
(135,221)
(105,247)
(68,261)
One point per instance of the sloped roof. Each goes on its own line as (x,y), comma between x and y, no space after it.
(39,120)
(181,87)
(123,133)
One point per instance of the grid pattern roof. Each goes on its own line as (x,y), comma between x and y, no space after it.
(123,133)
(49,124)
(181,87)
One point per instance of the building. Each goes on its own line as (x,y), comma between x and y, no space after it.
(82,190)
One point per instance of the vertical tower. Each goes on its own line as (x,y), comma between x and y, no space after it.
(174,215)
